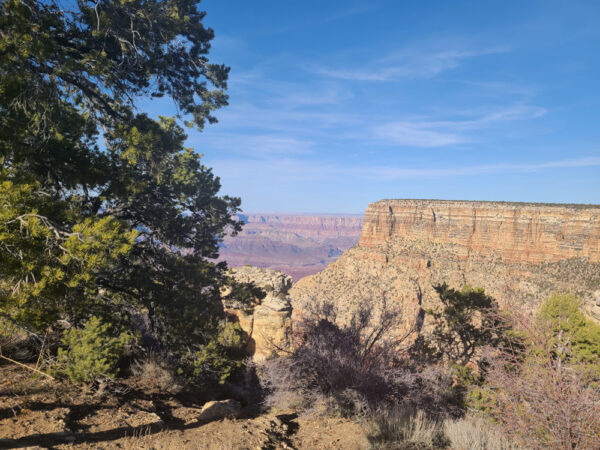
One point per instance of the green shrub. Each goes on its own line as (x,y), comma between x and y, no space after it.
(217,360)
(467,320)
(564,317)
(231,337)
(92,352)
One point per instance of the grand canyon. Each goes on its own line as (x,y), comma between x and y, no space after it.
(518,252)
(296,244)
(164,284)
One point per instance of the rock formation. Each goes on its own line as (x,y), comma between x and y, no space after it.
(298,245)
(519,252)
(268,322)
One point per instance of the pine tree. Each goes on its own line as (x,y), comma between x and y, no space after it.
(103,210)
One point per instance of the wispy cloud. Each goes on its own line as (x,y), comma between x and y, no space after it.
(349,12)
(258,146)
(483,169)
(355,10)
(439,133)
(416,134)
(408,63)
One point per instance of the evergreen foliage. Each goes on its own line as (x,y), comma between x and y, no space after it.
(218,359)
(103,210)
(468,320)
(92,352)
(563,316)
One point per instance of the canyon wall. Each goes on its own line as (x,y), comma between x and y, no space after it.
(298,245)
(515,232)
(519,252)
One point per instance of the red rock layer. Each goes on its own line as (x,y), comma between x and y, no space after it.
(517,232)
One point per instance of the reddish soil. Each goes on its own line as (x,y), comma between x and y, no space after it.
(39,412)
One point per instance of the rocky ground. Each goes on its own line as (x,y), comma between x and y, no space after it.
(42,413)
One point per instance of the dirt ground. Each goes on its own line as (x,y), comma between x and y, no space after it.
(42,413)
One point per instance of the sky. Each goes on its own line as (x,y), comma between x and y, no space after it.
(336,104)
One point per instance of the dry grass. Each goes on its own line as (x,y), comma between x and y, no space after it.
(144,439)
(475,433)
(406,429)
(401,428)
(154,372)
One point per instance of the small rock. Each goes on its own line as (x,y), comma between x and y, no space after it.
(219,410)
(277,421)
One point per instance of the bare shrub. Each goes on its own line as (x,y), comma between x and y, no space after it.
(547,405)
(428,387)
(404,428)
(355,367)
(541,395)
(156,373)
(16,342)
(475,433)
(340,364)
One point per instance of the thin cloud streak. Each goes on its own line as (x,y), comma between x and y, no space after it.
(258,146)
(343,14)
(409,63)
(485,169)
(300,128)
(440,133)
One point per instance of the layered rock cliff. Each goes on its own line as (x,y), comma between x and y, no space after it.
(518,252)
(298,245)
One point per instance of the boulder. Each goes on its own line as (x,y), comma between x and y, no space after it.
(219,409)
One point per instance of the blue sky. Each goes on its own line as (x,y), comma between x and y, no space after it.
(336,104)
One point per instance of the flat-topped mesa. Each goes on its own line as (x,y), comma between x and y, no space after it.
(517,232)
(519,252)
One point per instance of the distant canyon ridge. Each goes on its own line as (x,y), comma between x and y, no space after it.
(296,244)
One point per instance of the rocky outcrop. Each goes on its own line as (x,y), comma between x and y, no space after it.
(298,245)
(518,252)
(592,306)
(267,322)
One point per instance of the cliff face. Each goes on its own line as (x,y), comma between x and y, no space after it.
(518,252)
(298,245)
(530,233)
